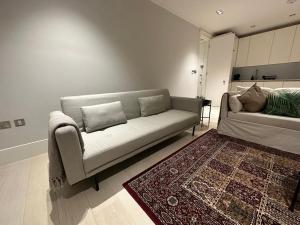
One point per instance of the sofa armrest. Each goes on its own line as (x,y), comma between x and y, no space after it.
(224,107)
(71,153)
(187,104)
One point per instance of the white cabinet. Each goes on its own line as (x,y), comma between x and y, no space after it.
(291,84)
(242,52)
(282,45)
(273,84)
(260,48)
(235,50)
(248,84)
(295,55)
(273,47)
(260,83)
(219,67)
(234,85)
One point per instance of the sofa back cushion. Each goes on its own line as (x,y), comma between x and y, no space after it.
(71,105)
(152,105)
(97,117)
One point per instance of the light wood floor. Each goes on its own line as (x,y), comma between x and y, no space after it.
(25,197)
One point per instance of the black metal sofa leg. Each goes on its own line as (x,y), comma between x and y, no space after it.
(96,182)
(193,130)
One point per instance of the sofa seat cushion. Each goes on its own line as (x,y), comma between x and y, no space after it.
(270,120)
(102,147)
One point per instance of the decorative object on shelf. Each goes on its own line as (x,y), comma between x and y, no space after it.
(256,75)
(269,77)
(252,77)
(236,76)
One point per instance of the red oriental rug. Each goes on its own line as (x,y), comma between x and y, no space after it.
(217,179)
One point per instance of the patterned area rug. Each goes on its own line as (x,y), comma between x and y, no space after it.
(219,180)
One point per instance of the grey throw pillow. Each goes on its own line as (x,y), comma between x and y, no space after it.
(152,105)
(254,99)
(97,117)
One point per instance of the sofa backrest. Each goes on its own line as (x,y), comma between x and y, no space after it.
(71,105)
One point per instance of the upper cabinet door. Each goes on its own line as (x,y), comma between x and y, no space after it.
(235,49)
(219,67)
(242,52)
(282,45)
(260,49)
(295,55)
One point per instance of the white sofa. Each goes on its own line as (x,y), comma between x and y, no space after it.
(107,147)
(274,131)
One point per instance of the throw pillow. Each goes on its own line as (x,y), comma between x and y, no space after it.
(152,105)
(253,100)
(97,117)
(284,102)
(235,104)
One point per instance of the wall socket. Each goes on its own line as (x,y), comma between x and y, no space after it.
(5,125)
(19,122)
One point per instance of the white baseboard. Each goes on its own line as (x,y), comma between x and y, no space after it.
(19,152)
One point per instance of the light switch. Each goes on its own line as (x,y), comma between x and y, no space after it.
(19,122)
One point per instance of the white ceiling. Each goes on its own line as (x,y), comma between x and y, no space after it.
(238,15)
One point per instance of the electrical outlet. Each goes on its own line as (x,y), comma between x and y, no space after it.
(5,125)
(19,122)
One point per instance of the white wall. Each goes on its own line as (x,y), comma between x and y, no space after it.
(203,54)
(54,48)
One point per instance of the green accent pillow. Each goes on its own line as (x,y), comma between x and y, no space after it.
(284,102)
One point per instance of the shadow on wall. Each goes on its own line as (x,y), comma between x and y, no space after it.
(51,49)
